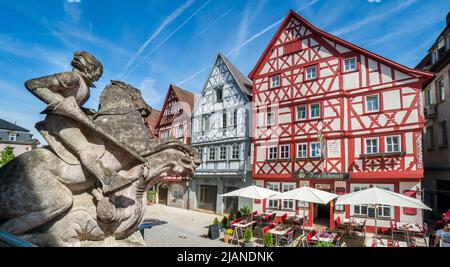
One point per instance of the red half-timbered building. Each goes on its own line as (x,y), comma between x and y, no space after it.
(334,116)
(175,121)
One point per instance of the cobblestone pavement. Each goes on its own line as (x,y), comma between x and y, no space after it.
(174,227)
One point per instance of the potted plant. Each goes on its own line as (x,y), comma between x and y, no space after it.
(224,224)
(216,222)
(151,197)
(238,214)
(322,244)
(246,211)
(228,235)
(248,235)
(268,240)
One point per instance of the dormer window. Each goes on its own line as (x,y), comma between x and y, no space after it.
(275,81)
(12,137)
(219,94)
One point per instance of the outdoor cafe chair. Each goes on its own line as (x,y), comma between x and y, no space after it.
(361,228)
(422,234)
(310,235)
(395,231)
(288,238)
(339,225)
(265,231)
(284,218)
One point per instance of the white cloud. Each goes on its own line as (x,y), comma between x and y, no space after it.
(376,17)
(167,38)
(156,33)
(73,9)
(73,1)
(150,94)
(59,59)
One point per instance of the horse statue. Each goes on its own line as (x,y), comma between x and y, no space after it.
(50,197)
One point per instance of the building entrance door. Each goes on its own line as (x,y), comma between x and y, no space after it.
(207,197)
(231,203)
(162,195)
(443,196)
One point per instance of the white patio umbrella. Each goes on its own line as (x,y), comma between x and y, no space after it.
(378,196)
(253,192)
(310,195)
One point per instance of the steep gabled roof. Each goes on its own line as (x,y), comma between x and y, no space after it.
(182,96)
(243,82)
(312,28)
(6,125)
(152,121)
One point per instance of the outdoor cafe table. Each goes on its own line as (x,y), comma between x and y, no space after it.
(384,243)
(279,231)
(351,223)
(240,226)
(324,237)
(260,216)
(408,228)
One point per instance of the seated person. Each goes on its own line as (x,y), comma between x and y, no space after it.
(443,236)
(441,223)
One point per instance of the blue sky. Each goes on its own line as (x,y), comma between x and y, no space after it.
(151,43)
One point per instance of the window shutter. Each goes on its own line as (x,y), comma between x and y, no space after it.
(292,47)
(410,211)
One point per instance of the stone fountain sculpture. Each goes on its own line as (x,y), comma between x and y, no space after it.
(87,188)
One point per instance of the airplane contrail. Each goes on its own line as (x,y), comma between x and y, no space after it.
(161,27)
(167,38)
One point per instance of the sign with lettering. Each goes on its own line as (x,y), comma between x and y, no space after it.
(213,232)
(322,175)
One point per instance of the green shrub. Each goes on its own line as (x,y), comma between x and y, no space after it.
(224,222)
(248,235)
(238,215)
(151,195)
(231,216)
(322,244)
(246,211)
(6,155)
(268,240)
(216,222)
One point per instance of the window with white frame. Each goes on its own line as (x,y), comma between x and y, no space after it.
(350,64)
(224,120)
(360,210)
(372,103)
(219,94)
(200,153)
(301,113)
(302,151)
(275,81)
(12,137)
(273,152)
(180,131)
(235,152)
(223,153)
(284,151)
(441,89)
(270,118)
(372,146)
(311,73)
(315,150)
(164,134)
(212,153)
(428,96)
(273,203)
(315,111)
(392,144)
(234,119)
(205,123)
(288,204)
